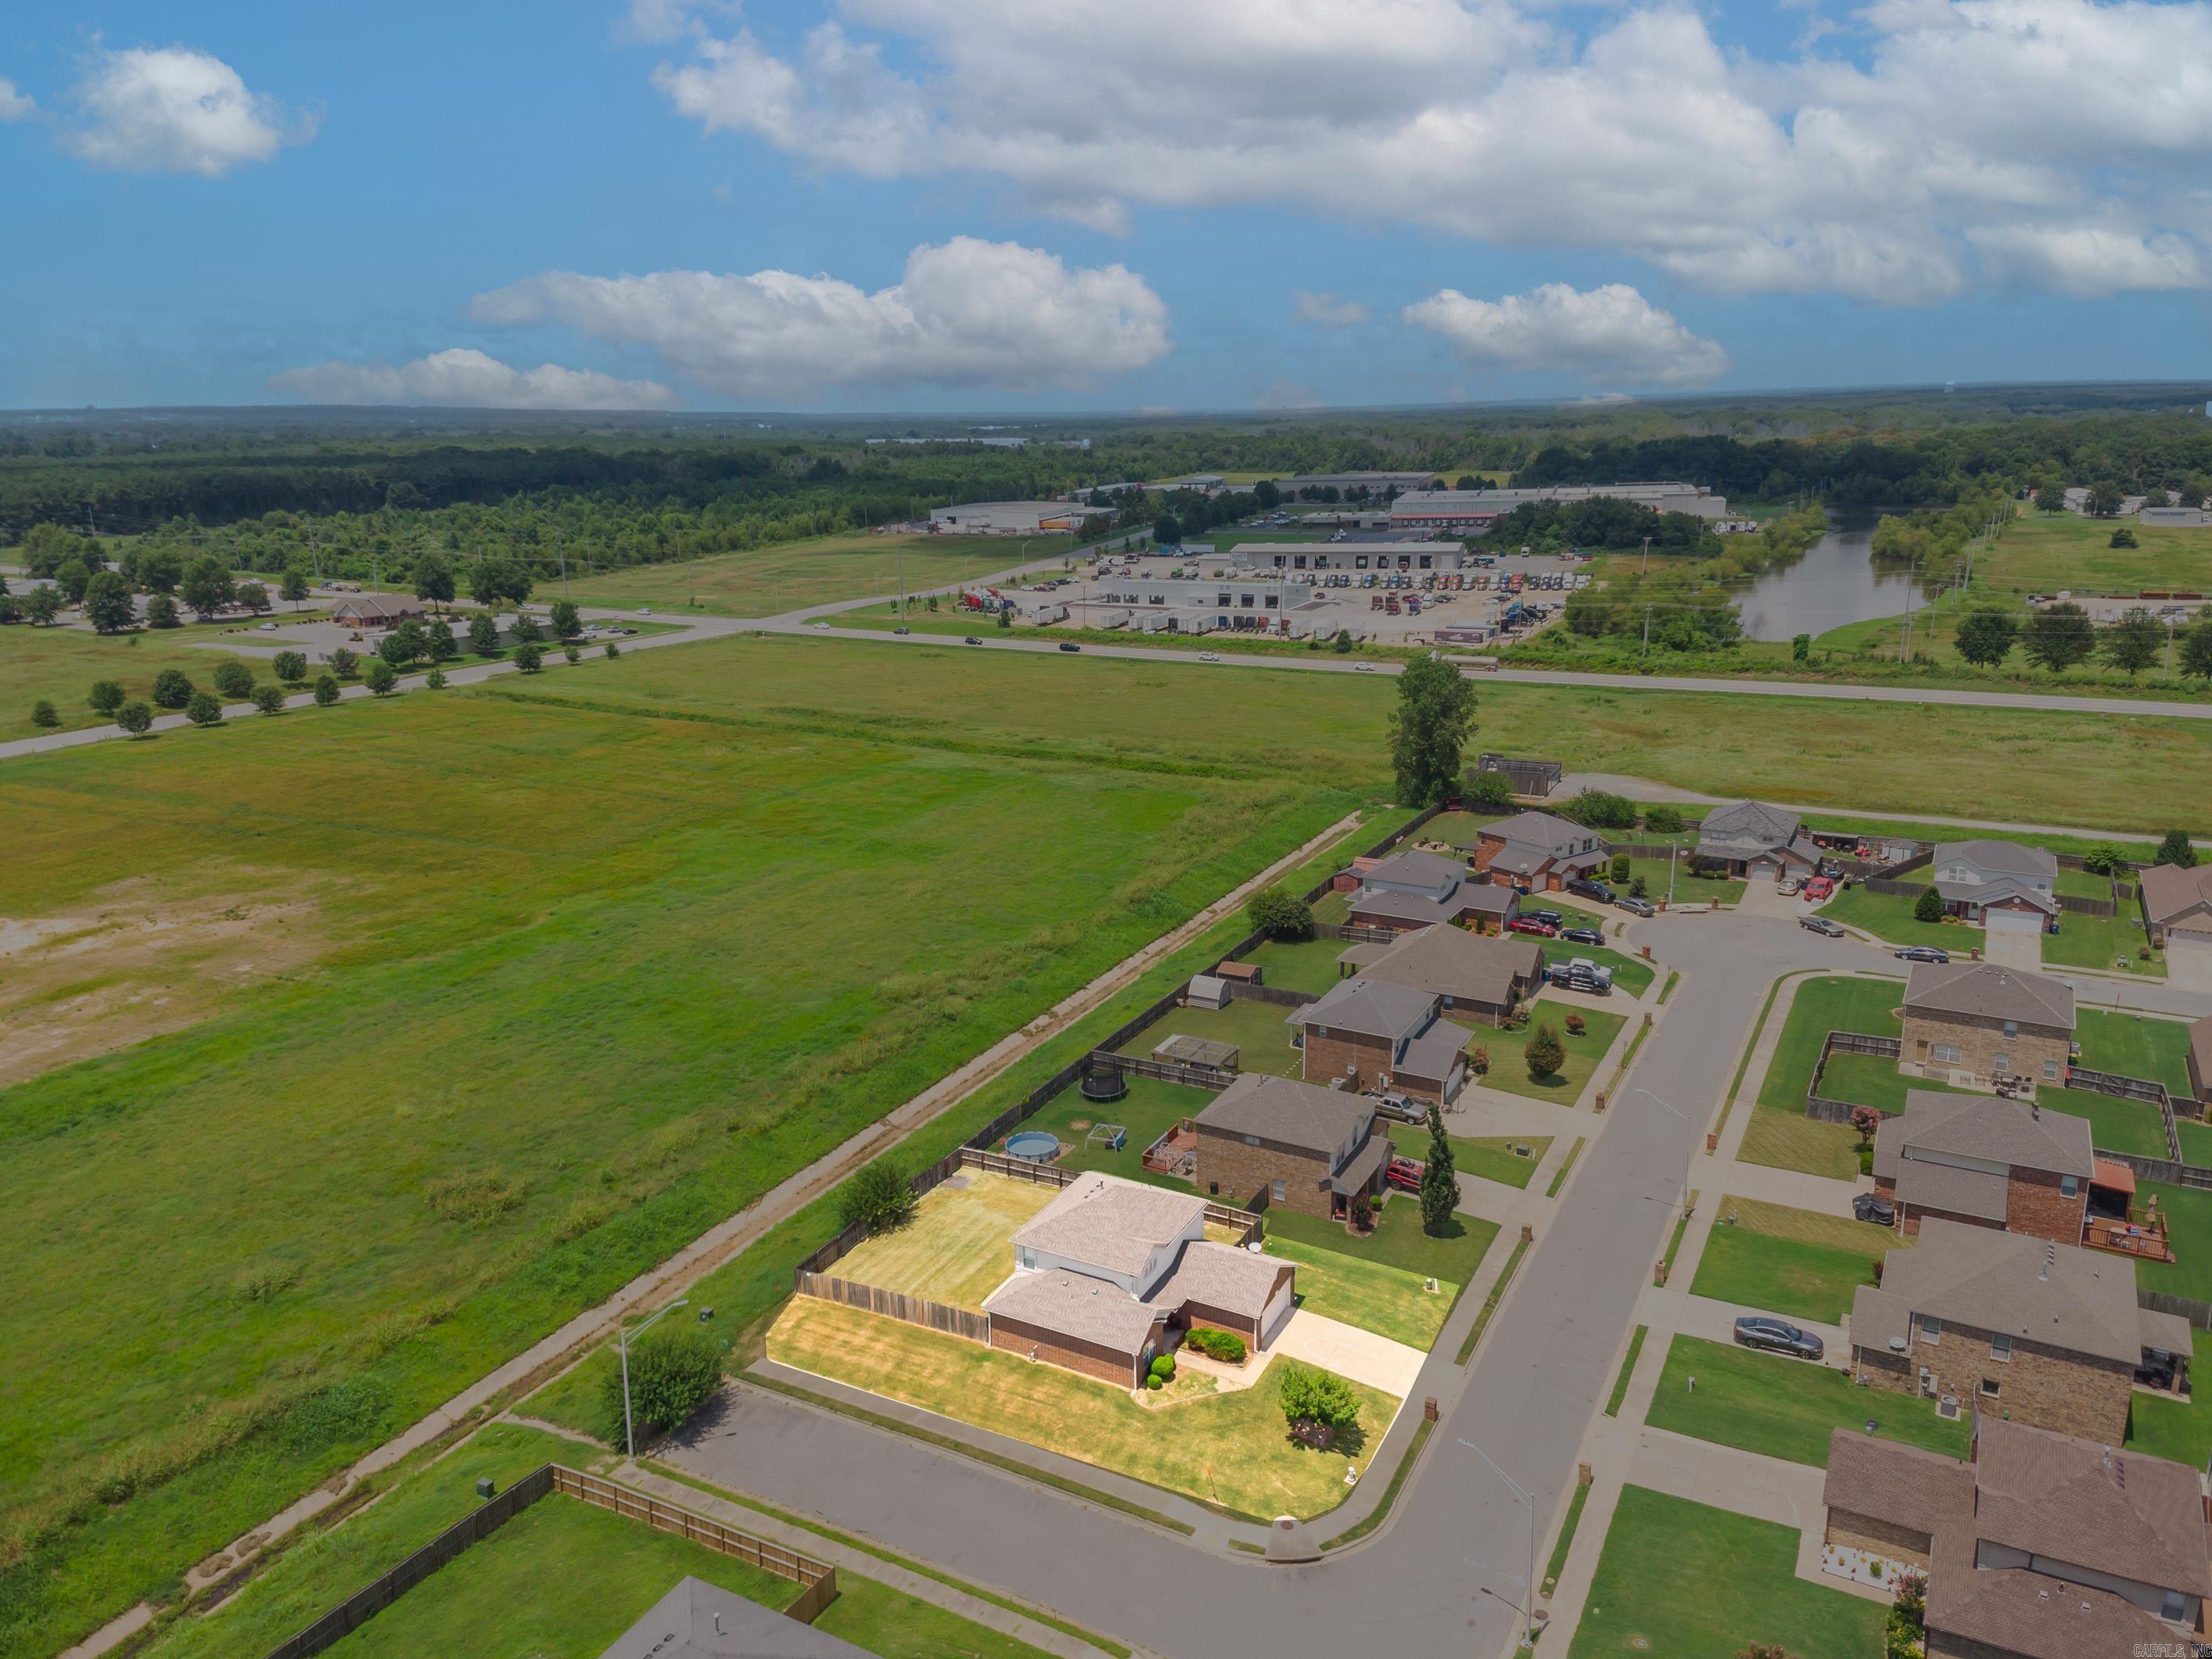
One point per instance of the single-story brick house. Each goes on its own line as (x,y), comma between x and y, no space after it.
(1413,891)
(2010,1325)
(1986,1162)
(1999,884)
(376,610)
(2178,910)
(1305,1148)
(1373,1034)
(1472,975)
(1972,1022)
(1109,1272)
(1540,851)
(2044,1547)
(1755,839)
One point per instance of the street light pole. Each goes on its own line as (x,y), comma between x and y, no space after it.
(1528,1499)
(629,1431)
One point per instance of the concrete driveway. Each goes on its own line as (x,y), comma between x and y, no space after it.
(1312,1339)
(2013,947)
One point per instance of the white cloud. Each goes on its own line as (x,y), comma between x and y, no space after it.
(1611,333)
(172,109)
(469,379)
(1495,119)
(966,313)
(15,105)
(2089,260)
(1326,310)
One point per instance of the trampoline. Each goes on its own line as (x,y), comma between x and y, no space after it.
(1037,1145)
(1103,1086)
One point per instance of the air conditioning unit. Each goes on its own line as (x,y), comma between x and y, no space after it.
(1947,1408)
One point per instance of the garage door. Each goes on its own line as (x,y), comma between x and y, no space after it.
(2013,922)
(2014,937)
(2189,960)
(1278,1313)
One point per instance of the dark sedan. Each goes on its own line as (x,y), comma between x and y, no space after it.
(1582,936)
(1922,953)
(1778,1335)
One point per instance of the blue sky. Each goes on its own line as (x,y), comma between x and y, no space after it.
(1119,204)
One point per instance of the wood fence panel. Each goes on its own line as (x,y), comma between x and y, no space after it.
(897,1305)
(2198,1314)
(1161,1071)
(1239,991)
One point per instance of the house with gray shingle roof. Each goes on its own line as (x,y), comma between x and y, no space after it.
(1754,839)
(1369,1032)
(1302,1147)
(1974,1023)
(1541,851)
(1988,1162)
(1470,974)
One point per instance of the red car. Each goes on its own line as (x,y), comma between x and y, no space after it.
(1819,888)
(1530,924)
(1403,1174)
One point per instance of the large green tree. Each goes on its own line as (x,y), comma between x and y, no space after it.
(1439,1179)
(108,605)
(2196,652)
(2059,636)
(208,585)
(1429,728)
(433,579)
(2131,644)
(1986,637)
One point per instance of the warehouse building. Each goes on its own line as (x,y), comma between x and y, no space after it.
(1198,606)
(1478,509)
(1016,518)
(1411,556)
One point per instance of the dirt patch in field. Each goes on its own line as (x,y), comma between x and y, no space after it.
(135,962)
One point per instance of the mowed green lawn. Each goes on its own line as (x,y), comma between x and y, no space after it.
(1494,1158)
(595,982)
(790,575)
(1779,1134)
(1796,1263)
(60,664)
(1680,1580)
(1508,1067)
(1782,1407)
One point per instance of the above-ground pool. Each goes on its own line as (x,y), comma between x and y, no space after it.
(1036,1144)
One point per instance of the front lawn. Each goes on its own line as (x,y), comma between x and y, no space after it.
(1781,1407)
(1397,1240)
(1259,1029)
(2106,942)
(1631,974)
(1371,1295)
(1888,917)
(1793,1262)
(1229,1449)
(1680,1580)
(1779,1134)
(2188,1212)
(959,1246)
(1490,1157)
(1508,1071)
(1688,889)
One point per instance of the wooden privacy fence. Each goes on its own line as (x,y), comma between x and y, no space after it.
(1161,1071)
(897,1304)
(2134,1088)
(819,1579)
(1241,991)
(2198,1314)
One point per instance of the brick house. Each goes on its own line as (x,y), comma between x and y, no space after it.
(376,610)
(1413,890)
(1972,1022)
(2199,1061)
(2178,901)
(1307,1148)
(1997,884)
(1110,1271)
(2043,1546)
(2012,1325)
(1754,839)
(1538,851)
(1483,976)
(1373,1034)
(1987,1163)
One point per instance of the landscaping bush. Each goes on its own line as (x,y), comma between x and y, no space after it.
(1929,907)
(1154,1382)
(1544,1052)
(2104,858)
(1663,820)
(1576,1025)
(1477,1061)
(44,715)
(1619,869)
(672,1374)
(1600,810)
(878,1198)
(1226,1346)
(1163,1367)
(436,682)
(1318,1406)
(1490,792)
(1273,912)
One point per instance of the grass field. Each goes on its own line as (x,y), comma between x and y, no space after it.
(1397,1241)
(1680,1580)
(1888,917)
(1490,1157)
(958,1248)
(1258,1029)
(1796,1263)
(1229,1449)
(1300,965)
(60,664)
(2135,1045)
(1689,889)
(622,975)
(1782,1407)
(2188,1212)
(1508,1071)
(1779,1134)
(790,575)
(1147,1112)
(2043,552)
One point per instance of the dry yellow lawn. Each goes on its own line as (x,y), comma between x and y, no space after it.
(958,1248)
(1838,1232)
(1232,1449)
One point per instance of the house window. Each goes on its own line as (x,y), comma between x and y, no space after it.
(1931,1330)
(1279,1190)
(1947,1053)
(1251,1140)
(1989,1387)
(2000,1348)
(2069,1186)
(2012,1028)
(2050,1071)
(2174,1609)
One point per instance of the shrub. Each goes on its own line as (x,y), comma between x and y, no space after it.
(1619,869)
(269,699)
(436,681)
(1477,1061)
(171,689)
(1363,1213)
(2177,848)
(1318,1406)
(1490,791)
(204,709)
(233,679)
(344,664)
(326,691)
(1663,820)
(1600,810)
(136,718)
(573,653)
(1273,912)
(1154,1382)
(44,715)
(1162,1366)
(1929,907)
(672,1374)
(1544,1052)
(1865,1119)
(528,658)
(2104,858)
(106,698)
(1576,1025)
(612,649)
(1226,1346)
(878,1198)
(1639,888)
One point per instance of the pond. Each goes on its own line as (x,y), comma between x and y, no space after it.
(1837,581)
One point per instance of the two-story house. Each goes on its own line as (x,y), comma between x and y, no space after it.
(1755,839)
(2044,1547)
(1411,891)
(1372,1034)
(1974,1023)
(1538,851)
(1307,1148)
(2000,884)
(1987,1163)
(1470,974)
(2178,907)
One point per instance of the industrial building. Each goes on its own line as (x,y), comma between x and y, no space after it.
(1376,483)
(1478,509)
(1016,518)
(1350,556)
(1193,606)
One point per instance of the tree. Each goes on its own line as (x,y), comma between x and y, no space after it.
(573,653)
(1663,820)
(434,580)
(136,718)
(106,698)
(2131,644)
(1439,1181)
(1167,530)
(436,680)
(108,605)
(567,621)
(672,1372)
(525,629)
(1318,1406)
(1986,637)
(208,587)
(2104,860)
(2104,501)
(878,1197)
(326,690)
(1272,911)
(171,689)
(483,634)
(2196,652)
(1006,618)
(1345,643)
(344,664)
(160,571)
(289,666)
(233,679)
(42,606)
(161,612)
(1544,1052)
(1600,810)
(1488,792)
(403,644)
(529,658)
(438,642)
(2177,848)
(380,675)
(269,699)
(253,596)
(45,715)
(2059,636)
(1800,647)
(204,709)
(2050,498)
(2123,537)
(1429,728)
(495,580)
(612,651)
(1620,869)
(1866,1119)
(73,578)
(1929,907)
(294,588)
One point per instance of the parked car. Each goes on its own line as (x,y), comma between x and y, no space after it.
(1636,907)
(1819,888)
(971,640)
(1582,936)
(1550,918)
(1587,889)
(1403,1174)
(1530,924)
(1789,887)
(1822,926)
(902,630)
(1069,645)
(1778,1335)
(1922,953)
(1880,1210)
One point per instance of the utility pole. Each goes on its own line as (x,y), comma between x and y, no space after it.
(1528,1611)
(1646,569)
(1647,630)
(561,552)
